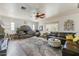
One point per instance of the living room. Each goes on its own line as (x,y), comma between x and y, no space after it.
(55,24)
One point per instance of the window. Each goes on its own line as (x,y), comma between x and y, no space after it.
(12,26)
(33,26)
(52,27)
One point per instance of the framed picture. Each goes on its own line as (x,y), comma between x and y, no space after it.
(41,28)
(69,25)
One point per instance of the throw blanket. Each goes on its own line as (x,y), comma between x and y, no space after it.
(33,46)
(3,44)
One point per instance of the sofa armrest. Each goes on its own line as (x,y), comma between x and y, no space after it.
(3,52)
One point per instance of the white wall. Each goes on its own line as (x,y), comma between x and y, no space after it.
(6,23)
(61,20)
(74,17)
(18,22)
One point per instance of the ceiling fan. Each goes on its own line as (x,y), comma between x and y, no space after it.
(40,15)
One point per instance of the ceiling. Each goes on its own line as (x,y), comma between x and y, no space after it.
(50,9)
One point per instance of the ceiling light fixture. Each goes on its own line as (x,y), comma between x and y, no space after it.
(23,8)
